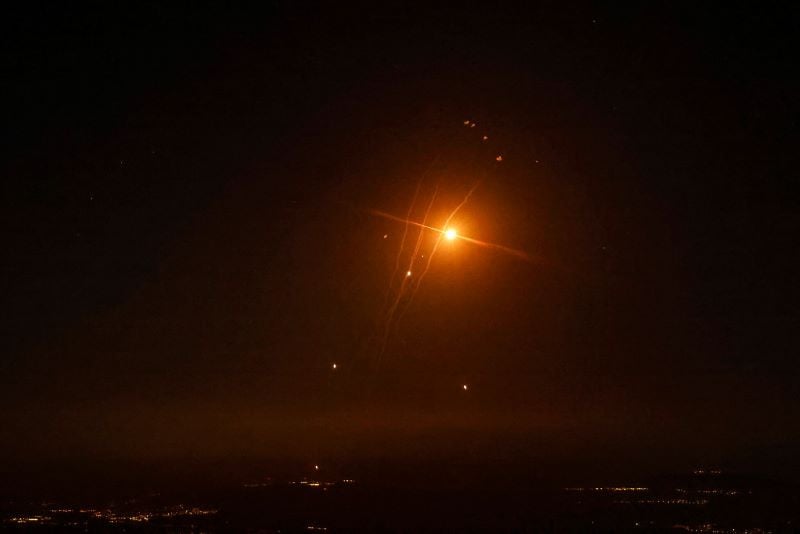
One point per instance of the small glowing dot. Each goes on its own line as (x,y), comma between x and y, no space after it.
(408,273)
(334,366)
(450,234)
(466,123)
(472,125)
(316,468)
(485,137)
(465,387)
(385,236)
(499,158)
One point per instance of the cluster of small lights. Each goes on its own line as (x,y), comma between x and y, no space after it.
(710,528)
(673,502)
(22,520)
(714,491)
(701,471)
(114,517)
(472,124)
(611,489)
(317,484)
(131,518)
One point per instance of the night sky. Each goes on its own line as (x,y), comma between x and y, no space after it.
(189,245)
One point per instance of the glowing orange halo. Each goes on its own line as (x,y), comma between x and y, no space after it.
(444,232)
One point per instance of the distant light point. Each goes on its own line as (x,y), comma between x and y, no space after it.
(499,158)
(408,273)
(465,387)
(450,234)
(385,236)
(333,366)
(485,137)
(316,468)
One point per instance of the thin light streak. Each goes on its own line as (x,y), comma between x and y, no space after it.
(402,241)
(521,254)
(486,244)
(392,310)
(391,217)
(442,233)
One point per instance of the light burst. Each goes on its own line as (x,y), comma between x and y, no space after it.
(403,288)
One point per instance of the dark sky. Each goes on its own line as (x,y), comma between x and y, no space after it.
(187,246)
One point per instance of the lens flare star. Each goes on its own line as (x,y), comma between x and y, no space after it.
(452,234)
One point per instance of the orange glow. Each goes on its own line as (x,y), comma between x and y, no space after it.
(450,234)
(514,252)
(408,273)
(465,387)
